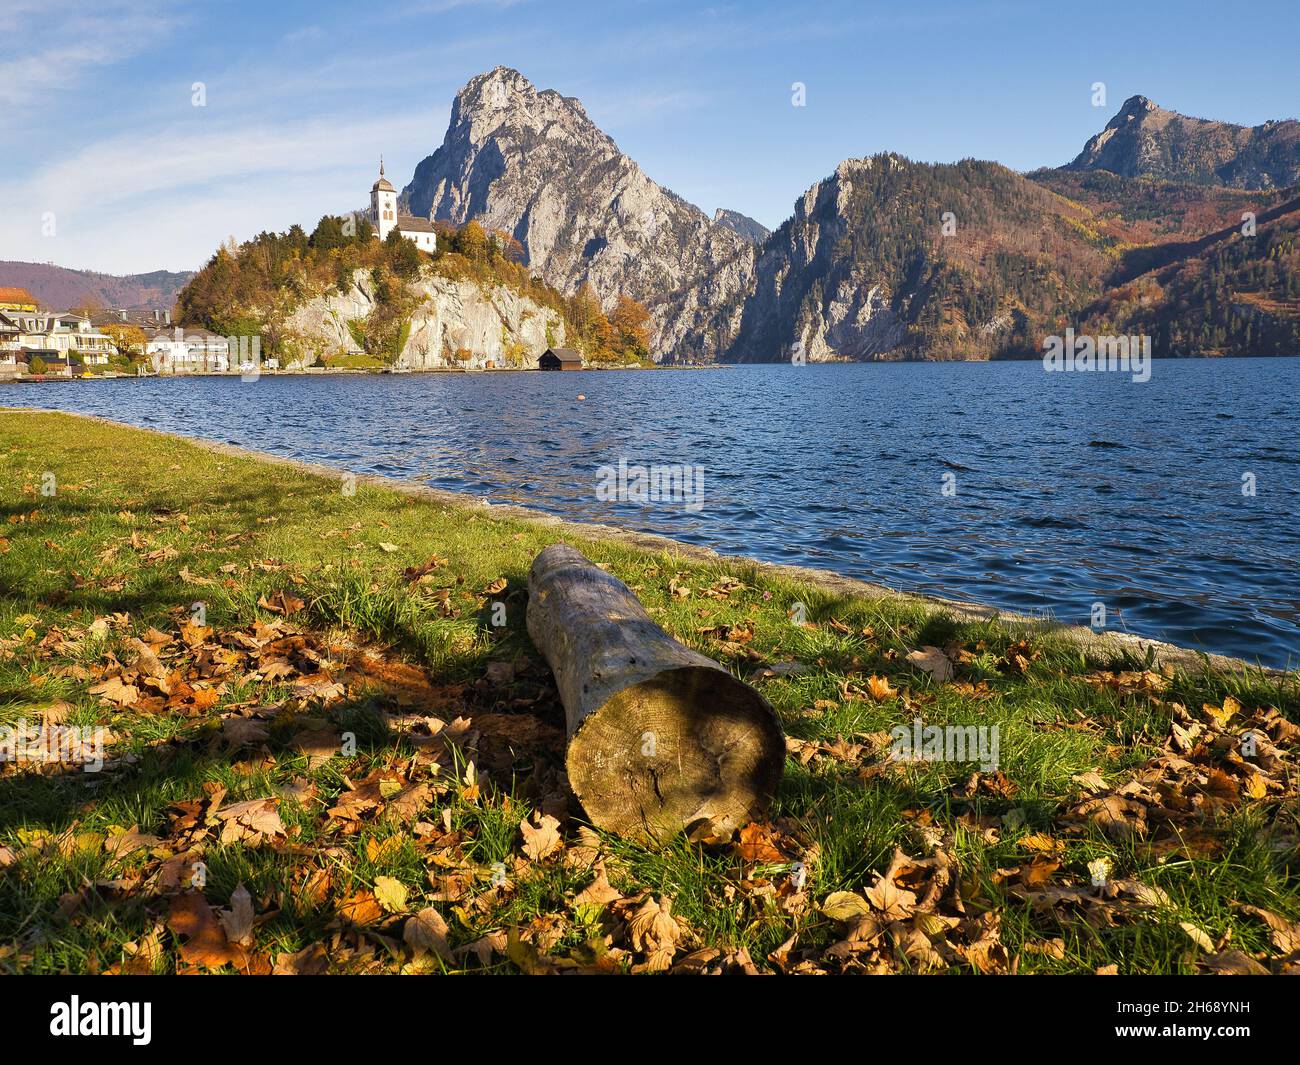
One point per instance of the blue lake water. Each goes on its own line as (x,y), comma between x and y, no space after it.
(1065,489)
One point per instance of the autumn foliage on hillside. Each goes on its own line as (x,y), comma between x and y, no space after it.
(1240,295)
(252,288)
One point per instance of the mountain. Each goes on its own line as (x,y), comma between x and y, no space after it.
(342,298)
(1144,139)
(747,227)
(866,267)
(59,288)
(533,164)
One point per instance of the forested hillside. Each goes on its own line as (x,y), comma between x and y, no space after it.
(254,288)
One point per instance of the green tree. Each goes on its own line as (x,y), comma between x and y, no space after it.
(328,234)
(403,256)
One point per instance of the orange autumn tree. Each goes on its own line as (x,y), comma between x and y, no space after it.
(628,321)
(129,339)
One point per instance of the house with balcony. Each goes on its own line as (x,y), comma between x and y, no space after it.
(70,335)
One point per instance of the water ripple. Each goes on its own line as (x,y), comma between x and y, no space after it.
(1065,489)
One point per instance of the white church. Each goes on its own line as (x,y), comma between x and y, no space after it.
(385,217)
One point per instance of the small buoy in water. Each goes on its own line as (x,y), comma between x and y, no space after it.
(581,396)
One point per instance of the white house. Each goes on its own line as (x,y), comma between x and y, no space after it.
(385,217)
(189,351)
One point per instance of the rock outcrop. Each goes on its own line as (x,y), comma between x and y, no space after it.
(457,323)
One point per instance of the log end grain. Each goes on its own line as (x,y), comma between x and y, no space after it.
(648,764)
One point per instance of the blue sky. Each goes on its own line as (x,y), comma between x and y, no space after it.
(101,138)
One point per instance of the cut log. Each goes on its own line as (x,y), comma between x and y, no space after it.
(661,738)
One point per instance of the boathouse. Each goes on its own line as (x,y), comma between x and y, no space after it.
(560,359)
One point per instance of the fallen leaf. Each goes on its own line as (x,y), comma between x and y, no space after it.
(541,839)
(390,893)
(1197,936)
(932,661)
(238,920)
(310,961)
(846,906)
(115,690)
(206,943)
(426,933)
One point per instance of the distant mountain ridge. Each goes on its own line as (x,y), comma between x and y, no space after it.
(889,258)
(59,288)
(886,258)
(863,268)
(1144,139)
(747,227)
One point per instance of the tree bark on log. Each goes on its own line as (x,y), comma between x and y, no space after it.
(661,738)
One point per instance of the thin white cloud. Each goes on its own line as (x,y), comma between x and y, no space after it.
(54,46)
(169,204)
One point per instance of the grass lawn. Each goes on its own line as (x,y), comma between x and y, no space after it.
(321,754)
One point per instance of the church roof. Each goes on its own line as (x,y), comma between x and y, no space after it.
(382,184)
(409,223)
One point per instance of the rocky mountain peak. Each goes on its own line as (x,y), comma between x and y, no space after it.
(503,97)
(1144,140)
(530,162)
(749,228)
(1133,108)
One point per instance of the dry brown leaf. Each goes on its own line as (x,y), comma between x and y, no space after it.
(541,838)
(599,892)
(310,961)
(115,690)
(238,920)
(426,933)
(206,944)
(933,661)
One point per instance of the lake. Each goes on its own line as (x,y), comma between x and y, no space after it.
(991,482)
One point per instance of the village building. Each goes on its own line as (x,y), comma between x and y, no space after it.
(67,334)
(191,350)
(9,333)
(141,319)
(385,216)
(51,364)
(560,359)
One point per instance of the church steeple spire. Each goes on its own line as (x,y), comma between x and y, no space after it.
(383,203)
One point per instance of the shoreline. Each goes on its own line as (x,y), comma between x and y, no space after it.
(1108,642)
(343,371)
(352,371)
